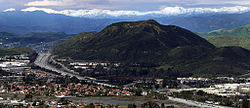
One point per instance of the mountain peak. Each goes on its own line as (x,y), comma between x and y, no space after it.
(140,41)
(151,21)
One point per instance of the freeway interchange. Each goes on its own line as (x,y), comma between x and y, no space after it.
(43,59)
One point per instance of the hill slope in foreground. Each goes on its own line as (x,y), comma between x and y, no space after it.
(150,42)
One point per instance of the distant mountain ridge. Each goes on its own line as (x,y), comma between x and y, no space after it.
(15,51)
(38,41)
(166,11)
(32,38)
(24,22)
(238,31)
(238,36)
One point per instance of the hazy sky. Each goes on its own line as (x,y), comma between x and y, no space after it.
(139,5)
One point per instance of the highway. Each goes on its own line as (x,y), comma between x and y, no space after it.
(64,68)
(195,103)
(42,61)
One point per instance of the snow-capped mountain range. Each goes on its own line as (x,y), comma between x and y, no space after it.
(168,11)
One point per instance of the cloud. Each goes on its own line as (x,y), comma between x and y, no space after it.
(168,11)
(10,9)
(138,5)
(32,9)
(242,2)
(50,3)
(71,4)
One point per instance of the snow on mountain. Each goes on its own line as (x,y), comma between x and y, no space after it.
(168,11)
(9,10)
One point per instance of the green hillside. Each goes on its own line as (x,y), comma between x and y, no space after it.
(222,41)
(238,31)
(173,50)
(143,41)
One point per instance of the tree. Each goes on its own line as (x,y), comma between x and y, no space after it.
(64,101)
(201,93)
(74,79)
(28,96)
(131,106)
(245,103)
(170,106)
(91,105)
(150,105)
(162,105)
(138,92)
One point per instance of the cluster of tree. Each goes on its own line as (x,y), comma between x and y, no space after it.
(126,73)
(155,95)
(246,103)
(203,97)
(17,51)
(154,105)
(3,73)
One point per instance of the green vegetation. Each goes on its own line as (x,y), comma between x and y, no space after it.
(131,106)
(225,61)
(239,31)
(246,103)
(150,105)
(239,36)
(143,41)
(222,41)
(15,51)
(167,51)
(155,95)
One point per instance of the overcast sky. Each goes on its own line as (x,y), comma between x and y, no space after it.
(139,5)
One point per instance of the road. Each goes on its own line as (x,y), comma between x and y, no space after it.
(195,103)
(246,75)
(64,68)
(42,61)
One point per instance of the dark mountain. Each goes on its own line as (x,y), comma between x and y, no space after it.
(173,50)
(143,41)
